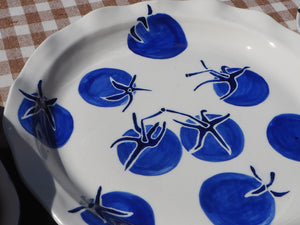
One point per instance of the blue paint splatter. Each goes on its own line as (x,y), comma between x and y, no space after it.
(283,133)
(211,137)
(158,36)
(236,86)
(149,150)
(233,198)
(108,87)
(117,208)
(43,118)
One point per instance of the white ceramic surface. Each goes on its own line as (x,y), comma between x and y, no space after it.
(63,178)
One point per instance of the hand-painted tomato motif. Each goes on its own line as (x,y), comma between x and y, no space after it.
(236,86)
(283,133)
(116,208)
(43,118)
(211,137)
(157,36)
(233,198)
(108,87)
(149,150)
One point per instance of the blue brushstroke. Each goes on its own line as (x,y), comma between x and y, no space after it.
(157,36)
(108,87)
(233,198)
(153,161)
(252,89)
(236,86)
(49,122)
(149,149)
(283,134)
(211,149)
(137,209)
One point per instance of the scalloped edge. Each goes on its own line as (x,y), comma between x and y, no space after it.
(77,31)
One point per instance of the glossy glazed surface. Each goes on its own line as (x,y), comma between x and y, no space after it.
(159,102)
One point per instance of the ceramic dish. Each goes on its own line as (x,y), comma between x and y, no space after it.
(162,112)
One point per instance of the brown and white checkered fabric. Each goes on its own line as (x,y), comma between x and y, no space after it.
(25,24)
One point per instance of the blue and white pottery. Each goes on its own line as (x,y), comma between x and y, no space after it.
(160,113)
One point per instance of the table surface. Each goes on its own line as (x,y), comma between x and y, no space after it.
(25,24)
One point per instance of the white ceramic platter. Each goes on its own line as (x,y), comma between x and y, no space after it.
(163,112)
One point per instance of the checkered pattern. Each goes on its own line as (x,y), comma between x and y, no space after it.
(24,24)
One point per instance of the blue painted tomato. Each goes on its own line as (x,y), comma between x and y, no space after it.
(212,137)
(283,133)
(252,89)
(108,87)
(45,119)
(116,208)
(236,86)
(233,198)
(157,36)
(149,150)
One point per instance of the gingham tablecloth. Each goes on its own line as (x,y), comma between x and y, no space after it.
(25,24)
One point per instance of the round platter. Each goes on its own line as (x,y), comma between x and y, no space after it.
(162,112)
